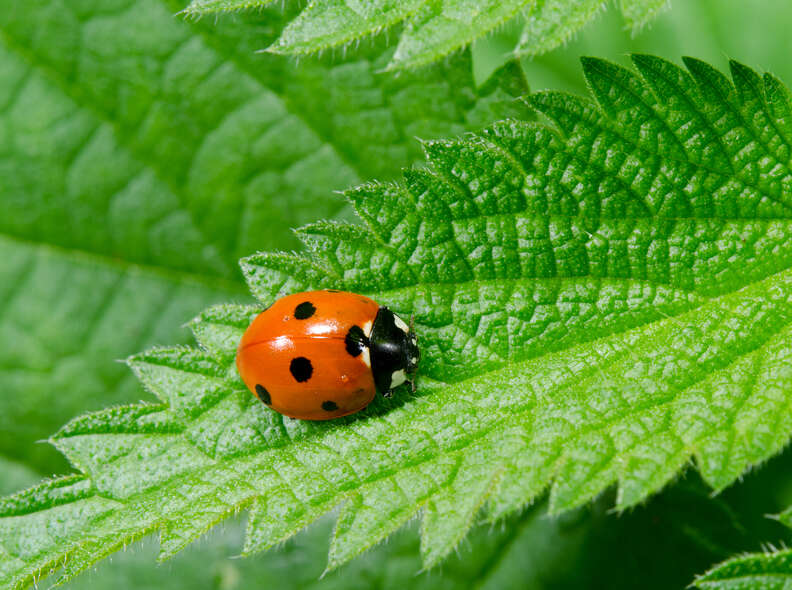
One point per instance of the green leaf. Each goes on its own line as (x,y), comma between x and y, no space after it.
(135,169)
(770,569)
(598,301)
(530,551)
(762,40)
(433,29)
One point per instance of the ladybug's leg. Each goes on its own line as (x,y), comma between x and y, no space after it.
(388,394)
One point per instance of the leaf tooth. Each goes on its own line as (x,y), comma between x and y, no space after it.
(134,419)
(219,329)
(631,107)
(323,25)
(649,466)
(278,516)
(439,197)
(657,71)
(585,470)
(63,525)
(749,572)
(382,206)
(356,255)
(566,111)
(181,358)
(442,153)
(709,78)
(739,434)
(780,103)
(335,229)
(746,80)
(638,13)
(552,23)
(89,550)
(785,517)
(324,238)
(295,498)
(122,465)
(188,380)
(451,512)
(524,477)
(45,495)
(270,275)
(368,517)
(676,89)
(602,74)
(491,176)
(525,141)
(213,498)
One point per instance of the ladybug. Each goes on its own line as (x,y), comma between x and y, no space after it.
(325,354)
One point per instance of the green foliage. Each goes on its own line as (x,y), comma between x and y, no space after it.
(141,156)
(762,40)
(598,301)
(528,551)
(434,29)
(771,570)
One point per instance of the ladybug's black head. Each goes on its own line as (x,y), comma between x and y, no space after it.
(394,351)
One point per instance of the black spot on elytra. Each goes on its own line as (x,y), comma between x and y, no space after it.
(355,340)
(263,394)
(329,406)
(332,291)
(301,369)
(305,310)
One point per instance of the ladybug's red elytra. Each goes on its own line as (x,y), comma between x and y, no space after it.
(325,354)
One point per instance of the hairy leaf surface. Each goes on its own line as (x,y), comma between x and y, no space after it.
(431,30)
(599,300)
(771,569)
(530,551)
(135,169)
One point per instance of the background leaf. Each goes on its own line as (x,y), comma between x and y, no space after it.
(596,305)
(770,569)
(432,30)
(703,29)
(141,156)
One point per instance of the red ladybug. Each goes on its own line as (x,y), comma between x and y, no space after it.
(324,354)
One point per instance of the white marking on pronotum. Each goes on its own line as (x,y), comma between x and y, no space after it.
(400,324)
(397,378)
(367,328)
(366,357)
